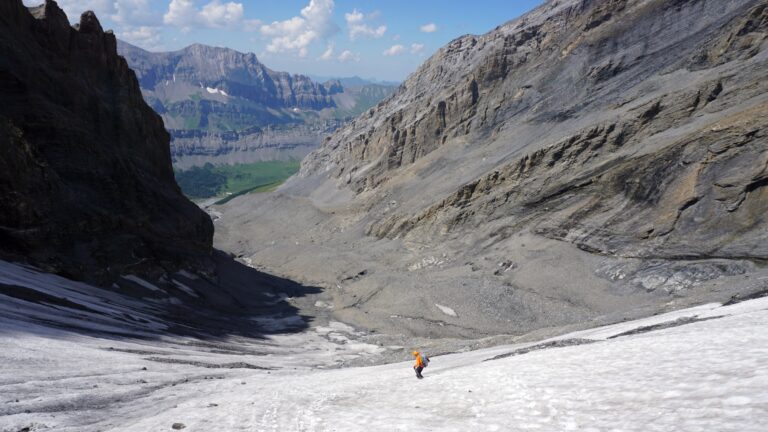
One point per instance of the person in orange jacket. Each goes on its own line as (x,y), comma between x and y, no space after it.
(419,365)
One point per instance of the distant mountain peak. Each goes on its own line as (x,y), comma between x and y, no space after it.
(212,97)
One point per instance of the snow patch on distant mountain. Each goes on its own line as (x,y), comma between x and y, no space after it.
(216,91)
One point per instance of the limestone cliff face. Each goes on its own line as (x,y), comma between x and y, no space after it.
(86,184)
(629,127)
(224,106)
(237,74)
(584,161)
(279,142)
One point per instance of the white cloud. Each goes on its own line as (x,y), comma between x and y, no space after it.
(417,48)
(357,27)
(328,53)
(181,13)
(394,50)
(216,14)
(297,33)
(354,17)
(184,14)
(143,36)
(429,28)
(348,55)
(133,13)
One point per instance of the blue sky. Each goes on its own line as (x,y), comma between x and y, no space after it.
(383,39)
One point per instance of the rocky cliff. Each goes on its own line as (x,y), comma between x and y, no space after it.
(589,159)
(194,147)
(86,183)
(237,74)
(224,106)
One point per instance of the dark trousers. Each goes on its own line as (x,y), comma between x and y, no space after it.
(418,370)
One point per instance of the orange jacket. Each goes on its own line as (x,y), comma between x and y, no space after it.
(419,361)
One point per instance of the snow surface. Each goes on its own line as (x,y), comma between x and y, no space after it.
(446,310)
(212,90)
(142,282)
(706,375)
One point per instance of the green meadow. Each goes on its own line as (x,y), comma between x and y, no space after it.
(230,181)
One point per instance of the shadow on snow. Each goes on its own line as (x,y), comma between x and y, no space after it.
(238,301)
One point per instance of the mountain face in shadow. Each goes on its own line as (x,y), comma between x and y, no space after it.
(588,158)
(86,183)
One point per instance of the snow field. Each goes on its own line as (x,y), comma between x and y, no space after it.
(705,375)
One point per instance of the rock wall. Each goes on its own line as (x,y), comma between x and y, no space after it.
(590,160)
(582,69)
(86,183)
(280,142)
(238,74)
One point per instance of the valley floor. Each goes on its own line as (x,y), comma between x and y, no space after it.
(702,369)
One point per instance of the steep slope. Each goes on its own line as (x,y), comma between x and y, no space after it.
(221,105)
(589,159)
(700,368)
(86,183)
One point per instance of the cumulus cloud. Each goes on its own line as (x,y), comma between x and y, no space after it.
(216,14)
(298,33)
(417,48)
(328,53)
(394,50)
(348,55)
(428,28)
(357,27)
(181,13)
(354,17)
(184,14)
(144,36)
(133,13)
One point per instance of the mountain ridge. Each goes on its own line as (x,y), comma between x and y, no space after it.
(220,93)
(586,160)
(87,184)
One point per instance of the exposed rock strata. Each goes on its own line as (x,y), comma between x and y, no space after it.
(238,74)
(280,142)
(591,159)
(86,184)
(224,106)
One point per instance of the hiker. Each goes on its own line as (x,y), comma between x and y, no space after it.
(421,363)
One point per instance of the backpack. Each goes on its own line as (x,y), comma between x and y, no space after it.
(425,360)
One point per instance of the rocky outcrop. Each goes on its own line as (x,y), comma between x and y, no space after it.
(207,95)
(279,142)
(237,74)
(554,65)
(702,195)
(86,183)
(589,159)
(603,181)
